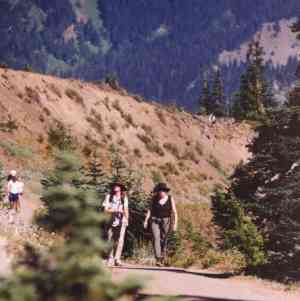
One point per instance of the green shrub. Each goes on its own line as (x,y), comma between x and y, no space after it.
(156,177)
(238,230)
(15,150)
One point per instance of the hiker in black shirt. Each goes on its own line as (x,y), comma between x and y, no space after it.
(161,211)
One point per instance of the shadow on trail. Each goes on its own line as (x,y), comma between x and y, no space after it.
(180,271)
(142,297)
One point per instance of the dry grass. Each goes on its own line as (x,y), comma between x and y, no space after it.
(173,149)
(74,95)
(169,169)
(55,90)
(151,146)
(161,116)
(32,95)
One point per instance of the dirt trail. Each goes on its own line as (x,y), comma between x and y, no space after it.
(21,228)
(202,285)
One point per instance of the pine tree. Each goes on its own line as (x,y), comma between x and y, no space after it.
(95,178)
(294,95)
(268,188)
(254,95)
(205,99)
(218,100)
(75,270)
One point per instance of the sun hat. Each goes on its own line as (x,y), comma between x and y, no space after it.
(13,173)
(161,187)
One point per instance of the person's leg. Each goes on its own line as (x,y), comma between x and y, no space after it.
(156,239)
(110,236)
(165,230)
(120,244)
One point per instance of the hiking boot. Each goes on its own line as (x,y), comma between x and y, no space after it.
(118,263)
(110,262)
(160,262)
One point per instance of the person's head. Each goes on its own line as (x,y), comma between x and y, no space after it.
(14,178)
(117,188)
(161,190)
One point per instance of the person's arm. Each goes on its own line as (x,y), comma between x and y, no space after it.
(148,215)
(174,211)
(106,205)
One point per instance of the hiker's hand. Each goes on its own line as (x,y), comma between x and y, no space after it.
(145,224)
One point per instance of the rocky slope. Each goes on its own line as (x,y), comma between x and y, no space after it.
(170,43)
(160,142)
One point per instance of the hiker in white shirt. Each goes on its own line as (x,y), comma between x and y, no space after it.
(116,204)
(13,190)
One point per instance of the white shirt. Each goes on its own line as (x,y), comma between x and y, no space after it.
(13,187)
(115,203)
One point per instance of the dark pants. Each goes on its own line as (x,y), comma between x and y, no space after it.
(160,230)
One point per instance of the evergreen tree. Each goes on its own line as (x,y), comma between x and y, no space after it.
(294,95)
(268,188)
(205,99)
(73,271)
(254,95)
(218,100)
(95,178)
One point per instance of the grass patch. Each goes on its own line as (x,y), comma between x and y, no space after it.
(156,176)
(15,150)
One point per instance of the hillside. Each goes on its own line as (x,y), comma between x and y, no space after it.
(170,43)
(160,142)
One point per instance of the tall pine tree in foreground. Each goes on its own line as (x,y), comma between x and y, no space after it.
(267,189)
(73,271)
(254,96)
